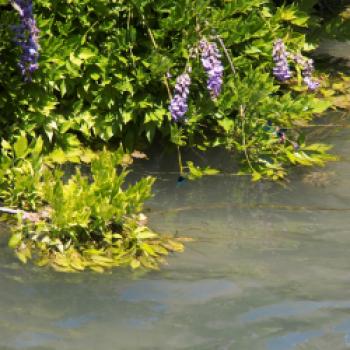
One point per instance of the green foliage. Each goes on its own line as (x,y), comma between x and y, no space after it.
(21,168)
(89,221)
(255,131)
(195,172)
(338,27)
(103,73)
(330,19)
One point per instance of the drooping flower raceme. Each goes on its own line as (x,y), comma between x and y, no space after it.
(307,68)
(311,83)
(307,71)
(211,60)
(281,70)
(27,37)
(179,104)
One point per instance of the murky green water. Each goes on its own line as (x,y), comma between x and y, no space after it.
(270,270)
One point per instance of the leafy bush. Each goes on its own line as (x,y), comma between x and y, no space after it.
(21,168)
(88,222)
(104,71)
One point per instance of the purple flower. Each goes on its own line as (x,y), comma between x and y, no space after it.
(179,106)
(312,84)
(213,66)
(281,70)
(307,68)
(27,37)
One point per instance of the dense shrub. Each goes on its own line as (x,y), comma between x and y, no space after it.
(104,67)
(93,222)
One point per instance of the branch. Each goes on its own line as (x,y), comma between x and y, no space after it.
(27,215)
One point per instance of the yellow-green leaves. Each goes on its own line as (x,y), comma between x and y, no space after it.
(21,147)
(91,221)
(196,172)
(15,240)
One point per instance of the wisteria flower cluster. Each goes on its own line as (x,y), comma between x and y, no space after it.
(307,69)
(179,104)
(27,37)
(211,61)
(210,57)
(281,70)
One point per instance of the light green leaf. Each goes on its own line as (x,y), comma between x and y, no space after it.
(21,146)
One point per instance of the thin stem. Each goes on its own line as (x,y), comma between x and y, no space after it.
(10,210)
(16,7)
(241,108)
(130,45)
(89,30)
(26,215)
(155,45)
(242,114)
(165,78)
(179,159)
(227,54)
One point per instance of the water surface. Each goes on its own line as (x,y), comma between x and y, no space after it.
(269,269)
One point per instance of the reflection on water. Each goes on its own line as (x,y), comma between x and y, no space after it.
(270,270)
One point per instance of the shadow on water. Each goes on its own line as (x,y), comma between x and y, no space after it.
(269,270)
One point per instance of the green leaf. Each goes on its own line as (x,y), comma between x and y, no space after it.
(75,60)
(321,105)
(38,147)
(142,233)
(256,176)
(135,264)
(21,256)
(86,54)
(21,146)
(15,240)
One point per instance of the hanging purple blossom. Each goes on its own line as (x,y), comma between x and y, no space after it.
(281,70)
(213,66)
(27,37)
(179,105)
(312,84)
(307,69)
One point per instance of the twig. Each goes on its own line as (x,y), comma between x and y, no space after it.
(130,45)
(11,211)
(26,215)
(155,45)
(16,7)
(228,56)
(242,114)
(180,160)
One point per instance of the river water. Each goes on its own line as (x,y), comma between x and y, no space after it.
(269,269)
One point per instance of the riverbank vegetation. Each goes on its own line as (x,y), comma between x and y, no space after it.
(80,78)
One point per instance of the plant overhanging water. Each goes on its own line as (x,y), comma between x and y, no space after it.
(176,73)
